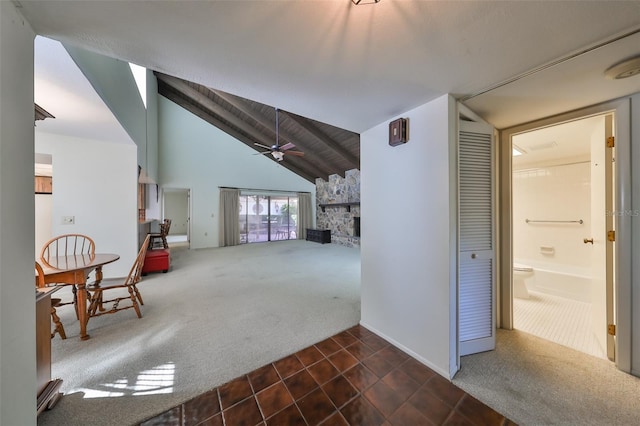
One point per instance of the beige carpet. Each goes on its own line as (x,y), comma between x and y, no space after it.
(219,313)
(536,382)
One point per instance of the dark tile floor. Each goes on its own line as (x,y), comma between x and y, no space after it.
(352,378)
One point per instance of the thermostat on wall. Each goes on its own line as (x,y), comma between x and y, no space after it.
(398,131)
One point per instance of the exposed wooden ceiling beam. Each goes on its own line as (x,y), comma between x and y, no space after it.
(251,123)
(305,170)
(242,107)
(320,162)
(208,103)
(330,143)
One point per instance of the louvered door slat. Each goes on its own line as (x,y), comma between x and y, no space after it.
(476,240)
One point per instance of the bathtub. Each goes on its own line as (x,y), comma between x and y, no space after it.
(565,281)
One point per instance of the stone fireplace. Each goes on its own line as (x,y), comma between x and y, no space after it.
(338,207)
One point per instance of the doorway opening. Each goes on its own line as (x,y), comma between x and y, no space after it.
(177,207)
(562,181)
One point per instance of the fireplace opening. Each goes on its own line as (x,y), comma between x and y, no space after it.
(356,226)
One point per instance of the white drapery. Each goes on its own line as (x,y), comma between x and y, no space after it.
(229,234)
(305,219)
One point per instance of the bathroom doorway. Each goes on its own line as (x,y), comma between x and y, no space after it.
(562,181)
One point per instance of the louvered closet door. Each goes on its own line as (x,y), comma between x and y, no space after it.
(476,273)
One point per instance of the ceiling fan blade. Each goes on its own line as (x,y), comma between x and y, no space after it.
(262,146)
(287,146)
(261,153)
(295,153)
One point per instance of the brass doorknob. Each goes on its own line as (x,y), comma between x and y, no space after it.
(588,240)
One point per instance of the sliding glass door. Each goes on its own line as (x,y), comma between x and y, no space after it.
(267,217)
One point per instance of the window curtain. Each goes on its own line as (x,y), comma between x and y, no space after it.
(229,232)
(305,211)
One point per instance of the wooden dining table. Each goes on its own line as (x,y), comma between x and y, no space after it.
(74,270)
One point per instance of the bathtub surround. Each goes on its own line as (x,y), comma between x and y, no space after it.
(556,252)
(343,221)
(557,192)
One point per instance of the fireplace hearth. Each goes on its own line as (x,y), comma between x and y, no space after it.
(356,226)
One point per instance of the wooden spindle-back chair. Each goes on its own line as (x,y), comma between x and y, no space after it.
(67,245)
(54,303)
(162,235)
(97,290)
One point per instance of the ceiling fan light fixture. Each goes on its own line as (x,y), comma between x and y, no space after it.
(627,68)
(277,155)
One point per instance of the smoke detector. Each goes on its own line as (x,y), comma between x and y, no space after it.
(624,69)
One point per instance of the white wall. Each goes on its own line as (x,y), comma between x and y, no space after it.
(194,154)
(96,182)
(113,80)
(151,149)
(17,302)
(406,240)
(635,241)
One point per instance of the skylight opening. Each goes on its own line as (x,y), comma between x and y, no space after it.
(516,151)
(140,75)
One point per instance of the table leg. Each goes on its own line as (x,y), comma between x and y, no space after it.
(83,316)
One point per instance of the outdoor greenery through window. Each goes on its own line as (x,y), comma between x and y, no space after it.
(267,217)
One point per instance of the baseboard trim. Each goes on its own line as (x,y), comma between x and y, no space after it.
(408,351)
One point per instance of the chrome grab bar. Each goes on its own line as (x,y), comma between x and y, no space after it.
(554,221)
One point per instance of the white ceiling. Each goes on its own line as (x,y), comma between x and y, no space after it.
(357,66)
(558,144)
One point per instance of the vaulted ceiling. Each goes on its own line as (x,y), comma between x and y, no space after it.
(327,149)
(355,67)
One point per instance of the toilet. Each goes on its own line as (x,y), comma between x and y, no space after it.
(520,274)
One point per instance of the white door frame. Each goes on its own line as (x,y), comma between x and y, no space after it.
(623,265)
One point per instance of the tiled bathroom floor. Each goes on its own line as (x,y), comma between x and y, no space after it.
(352,378)
(563,321)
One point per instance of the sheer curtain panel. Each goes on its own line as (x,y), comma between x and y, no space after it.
(229,217)
(304,215)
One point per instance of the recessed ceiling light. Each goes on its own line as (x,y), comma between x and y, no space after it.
(624,69)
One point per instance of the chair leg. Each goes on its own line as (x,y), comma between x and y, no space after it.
(165,244)
(59,328)
(138,295)
(134,300)
(95,302)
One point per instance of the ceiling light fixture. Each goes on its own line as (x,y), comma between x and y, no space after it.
(277,155)
(357,2)
(627,68)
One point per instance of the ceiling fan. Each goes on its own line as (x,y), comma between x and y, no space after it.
(276,150)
